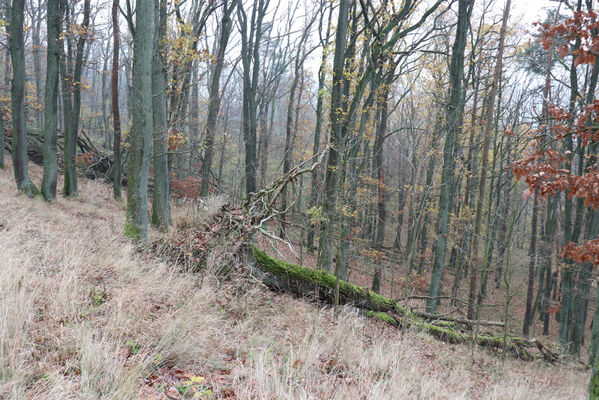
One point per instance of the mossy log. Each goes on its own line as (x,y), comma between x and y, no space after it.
(320,285)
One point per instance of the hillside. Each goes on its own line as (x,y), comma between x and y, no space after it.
(84,314)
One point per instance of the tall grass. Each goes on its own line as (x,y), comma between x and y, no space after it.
(86,315)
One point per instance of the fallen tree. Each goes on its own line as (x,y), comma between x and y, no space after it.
(320,285)
(91,161)
(235,226)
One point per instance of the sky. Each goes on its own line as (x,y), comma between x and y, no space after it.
(529,10)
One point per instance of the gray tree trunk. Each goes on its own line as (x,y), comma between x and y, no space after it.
(116,115)
(335,140)
(69,187)
(105,129)
(161,205)
(36,16)
(2,137)
(250,57)
(19,135)
(482,183)
(565,314)
(136,225)
(51,102)
(454,110)
(314,181)
(214,96)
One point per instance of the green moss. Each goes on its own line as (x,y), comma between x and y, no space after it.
(378,307)
(131,231)
(324,279)
(446,324)
(29,189)
(594,385)
(381,316)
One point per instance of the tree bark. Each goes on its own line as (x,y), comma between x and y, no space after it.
(482,183)
(116,114)
(532,255)
(314,177)
(69,187)
(136,226)
(250,57)
(105,129)
(36,43)
(335,140)
(161,205)
(51,101)
(454,110)
(321,285)
(19,134)
(214,95)
(2,137)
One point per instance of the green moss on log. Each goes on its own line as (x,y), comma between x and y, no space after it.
(304,281)
(325,282)
(383,317)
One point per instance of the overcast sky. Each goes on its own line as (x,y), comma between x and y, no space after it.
(529,10)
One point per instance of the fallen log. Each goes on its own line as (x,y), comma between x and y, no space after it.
(320,285)
(92,162)
(460,320)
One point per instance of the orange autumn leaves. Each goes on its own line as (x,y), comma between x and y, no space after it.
(548,171)
(579,27)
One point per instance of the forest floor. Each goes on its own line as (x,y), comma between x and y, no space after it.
(85,314)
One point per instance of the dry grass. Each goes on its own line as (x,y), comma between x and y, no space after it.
(188,214)
(84,315)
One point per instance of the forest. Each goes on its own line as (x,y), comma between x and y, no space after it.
(299,199)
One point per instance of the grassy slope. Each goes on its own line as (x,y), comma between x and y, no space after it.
(83,315)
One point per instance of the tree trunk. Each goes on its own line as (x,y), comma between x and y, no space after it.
(136,226)
(532,257)
(482,183)
(401,195)
(380,170)
(161,205)
(250,57)
(69,187)
(51,98)
(335,140)
(105,129)
(565,314)
(454,109)
(323,286)
(116,114)
(314,177)
(19,134)
(214,95)
(2,137)
(36,43)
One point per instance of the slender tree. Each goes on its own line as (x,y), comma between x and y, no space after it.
(482,182)
(19,135)
(314,178)
(69,187)
(335,139)
(251,37)
(136,226)
(214,94)
(2,137)
(161,205)
(454,111)
(116,114)
(51,101)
